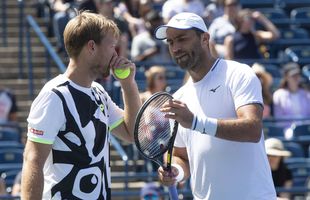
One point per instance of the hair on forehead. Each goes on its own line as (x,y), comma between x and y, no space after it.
(84,27)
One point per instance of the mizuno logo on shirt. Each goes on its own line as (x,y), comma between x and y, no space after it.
(214,89)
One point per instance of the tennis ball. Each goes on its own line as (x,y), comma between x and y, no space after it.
(122,73)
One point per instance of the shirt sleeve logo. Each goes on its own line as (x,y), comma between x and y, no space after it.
(35,131)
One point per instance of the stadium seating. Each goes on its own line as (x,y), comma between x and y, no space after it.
(257,3)
(9,135)
(9,177)
(273,130)
(300,168)
(11,156)
(277,15)
(276,74)
(11,145)
(301,16)
(306,71)
(289,5)
(300,54)
(295,148)
(301,131)
(288,37)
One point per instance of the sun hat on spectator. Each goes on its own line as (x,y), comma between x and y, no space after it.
(274,147)
(291,69)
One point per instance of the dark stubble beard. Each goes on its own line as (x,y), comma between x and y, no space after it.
(193,59)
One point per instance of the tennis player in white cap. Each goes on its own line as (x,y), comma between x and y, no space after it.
(219,144)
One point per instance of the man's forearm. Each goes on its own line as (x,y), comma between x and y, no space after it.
(32,183)
(132,104)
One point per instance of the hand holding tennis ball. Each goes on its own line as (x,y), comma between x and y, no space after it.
(122,73)
(121,67)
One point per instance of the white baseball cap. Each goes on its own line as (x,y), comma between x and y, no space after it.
(184,21)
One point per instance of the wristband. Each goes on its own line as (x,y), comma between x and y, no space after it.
(180,176)
(205,125)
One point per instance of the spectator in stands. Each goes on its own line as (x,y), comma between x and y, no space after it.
(150,191)
(16,188)
(67,152)
(136,23)
(155,81)
(291,100)
(106,8)
(63,11)
(223,26)
(172,7)
(144,47)
(219,110)
(282,176)
(245,42)
(8,106)
(213,10)
(89,5)
(266,81)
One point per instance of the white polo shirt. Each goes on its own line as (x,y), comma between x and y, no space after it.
(222,169)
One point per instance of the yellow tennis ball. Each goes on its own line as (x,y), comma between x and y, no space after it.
(122,73)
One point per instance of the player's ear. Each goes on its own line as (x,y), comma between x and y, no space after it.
(91,45)
(205,37)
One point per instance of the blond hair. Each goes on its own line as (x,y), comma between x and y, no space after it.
(151,74)
(84,27)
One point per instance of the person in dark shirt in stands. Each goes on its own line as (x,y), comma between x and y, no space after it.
(281,175)
(244,43)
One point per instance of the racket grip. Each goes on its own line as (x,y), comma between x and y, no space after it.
(173,193)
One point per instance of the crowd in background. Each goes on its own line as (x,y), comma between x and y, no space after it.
(233,35)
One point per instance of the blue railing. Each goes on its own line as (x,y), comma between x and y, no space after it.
(4,24)
(50,52)
(20,39)
(123,155)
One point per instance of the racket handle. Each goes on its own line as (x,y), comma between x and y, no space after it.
(173,193)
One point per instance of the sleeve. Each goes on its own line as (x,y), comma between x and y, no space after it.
(246,87)
(46,118)
(116,114)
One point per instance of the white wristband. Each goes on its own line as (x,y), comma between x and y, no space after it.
(205,125)
(180,176)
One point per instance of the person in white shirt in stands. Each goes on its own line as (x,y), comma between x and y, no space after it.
(291,100)
(223,26)
(172,7)
(219,143)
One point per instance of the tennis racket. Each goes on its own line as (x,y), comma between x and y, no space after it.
(154,134)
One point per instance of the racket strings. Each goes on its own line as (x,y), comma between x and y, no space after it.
(154,129)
